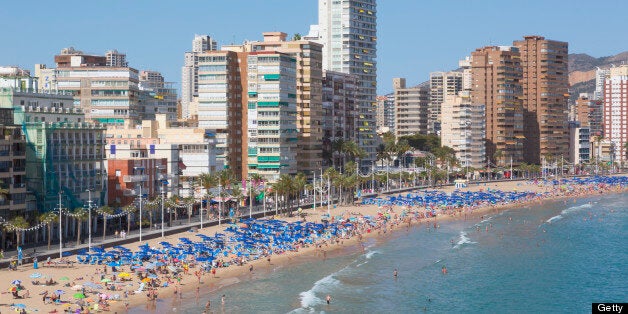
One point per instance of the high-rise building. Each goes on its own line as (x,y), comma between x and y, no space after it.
(615,114)
(442,84)
(463,129)
(386,113)
(600,76)
(411,108)
(271,115)
(348,31)
(116,59)
(545,85)
(189,71)
(156,96)
(496,83)
(220,104)
(107,94)
(339,116)
(309,77)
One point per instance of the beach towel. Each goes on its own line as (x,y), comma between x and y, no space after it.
(141,288)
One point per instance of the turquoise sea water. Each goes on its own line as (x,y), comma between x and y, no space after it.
(558,257)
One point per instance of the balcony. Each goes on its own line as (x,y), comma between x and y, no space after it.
(135,178)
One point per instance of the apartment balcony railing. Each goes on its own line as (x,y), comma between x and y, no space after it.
(135,178)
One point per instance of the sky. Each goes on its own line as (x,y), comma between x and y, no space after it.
(415,37)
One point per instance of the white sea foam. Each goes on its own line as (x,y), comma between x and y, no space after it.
(557,217)
(463,239)
(309,298)
(370,254)
(568,211)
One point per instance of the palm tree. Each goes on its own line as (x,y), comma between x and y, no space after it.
(17,224)
(80,214)
(299,182)
(381,153)
(49,218)
(3,193)
(129,210)
(151,206)
(284,187)
(104,211)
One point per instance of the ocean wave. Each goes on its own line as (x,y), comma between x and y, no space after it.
(557,217)
(370,254)
(309,298)
(575,208)
(567,211)
(463,239)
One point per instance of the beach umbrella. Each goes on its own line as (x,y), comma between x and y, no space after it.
(35,275)
(124,275)
(59,292)
(12,289)
(19,305)
(64,278)
(151,276)
(146,280)
(79,296)
(16,282)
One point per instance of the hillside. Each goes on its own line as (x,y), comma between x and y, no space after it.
(582,70)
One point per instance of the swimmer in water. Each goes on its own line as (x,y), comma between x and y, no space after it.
(328,299)
(395,273)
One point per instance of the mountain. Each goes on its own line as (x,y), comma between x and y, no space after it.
(582,70)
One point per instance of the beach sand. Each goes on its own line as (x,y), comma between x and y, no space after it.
(80,273)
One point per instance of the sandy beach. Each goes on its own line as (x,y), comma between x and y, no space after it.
(70,279)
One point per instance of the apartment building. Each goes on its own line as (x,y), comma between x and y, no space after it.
(615,121)
(189,72)
(272,114)
(464,129)
(442,84)
(309,77)
(12,165)
(339,112)
(411,108)
(386,113)
(348,31)
(156,96)
(107,94)
(496,83)
(545,97)
(63,152)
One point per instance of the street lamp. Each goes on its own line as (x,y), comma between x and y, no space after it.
(163,190)
(89,219)
(60,233)
(219,202)
(140,191)
(250,198)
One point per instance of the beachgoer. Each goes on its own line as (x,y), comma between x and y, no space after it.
(222,299)
(251,268)
(208,305)
(328,299)
(395,273)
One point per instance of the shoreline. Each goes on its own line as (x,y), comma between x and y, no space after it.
(233,274)
(352,245)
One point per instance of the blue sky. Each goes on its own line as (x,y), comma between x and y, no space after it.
(414,37)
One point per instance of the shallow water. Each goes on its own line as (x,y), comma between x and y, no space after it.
(556,257)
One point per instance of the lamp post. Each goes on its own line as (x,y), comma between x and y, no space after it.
(250,198)
(140,212)
(219,203)
(163,190)
(60,233)
(89,220)
(264,199)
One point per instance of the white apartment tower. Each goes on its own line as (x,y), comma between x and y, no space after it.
(615,114)
(189,72)
(348,31)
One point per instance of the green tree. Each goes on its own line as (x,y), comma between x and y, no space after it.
(105,211)
(129,210)
(17,224)
(80,214)
(49,218)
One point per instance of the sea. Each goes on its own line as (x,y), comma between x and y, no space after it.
(560,256)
